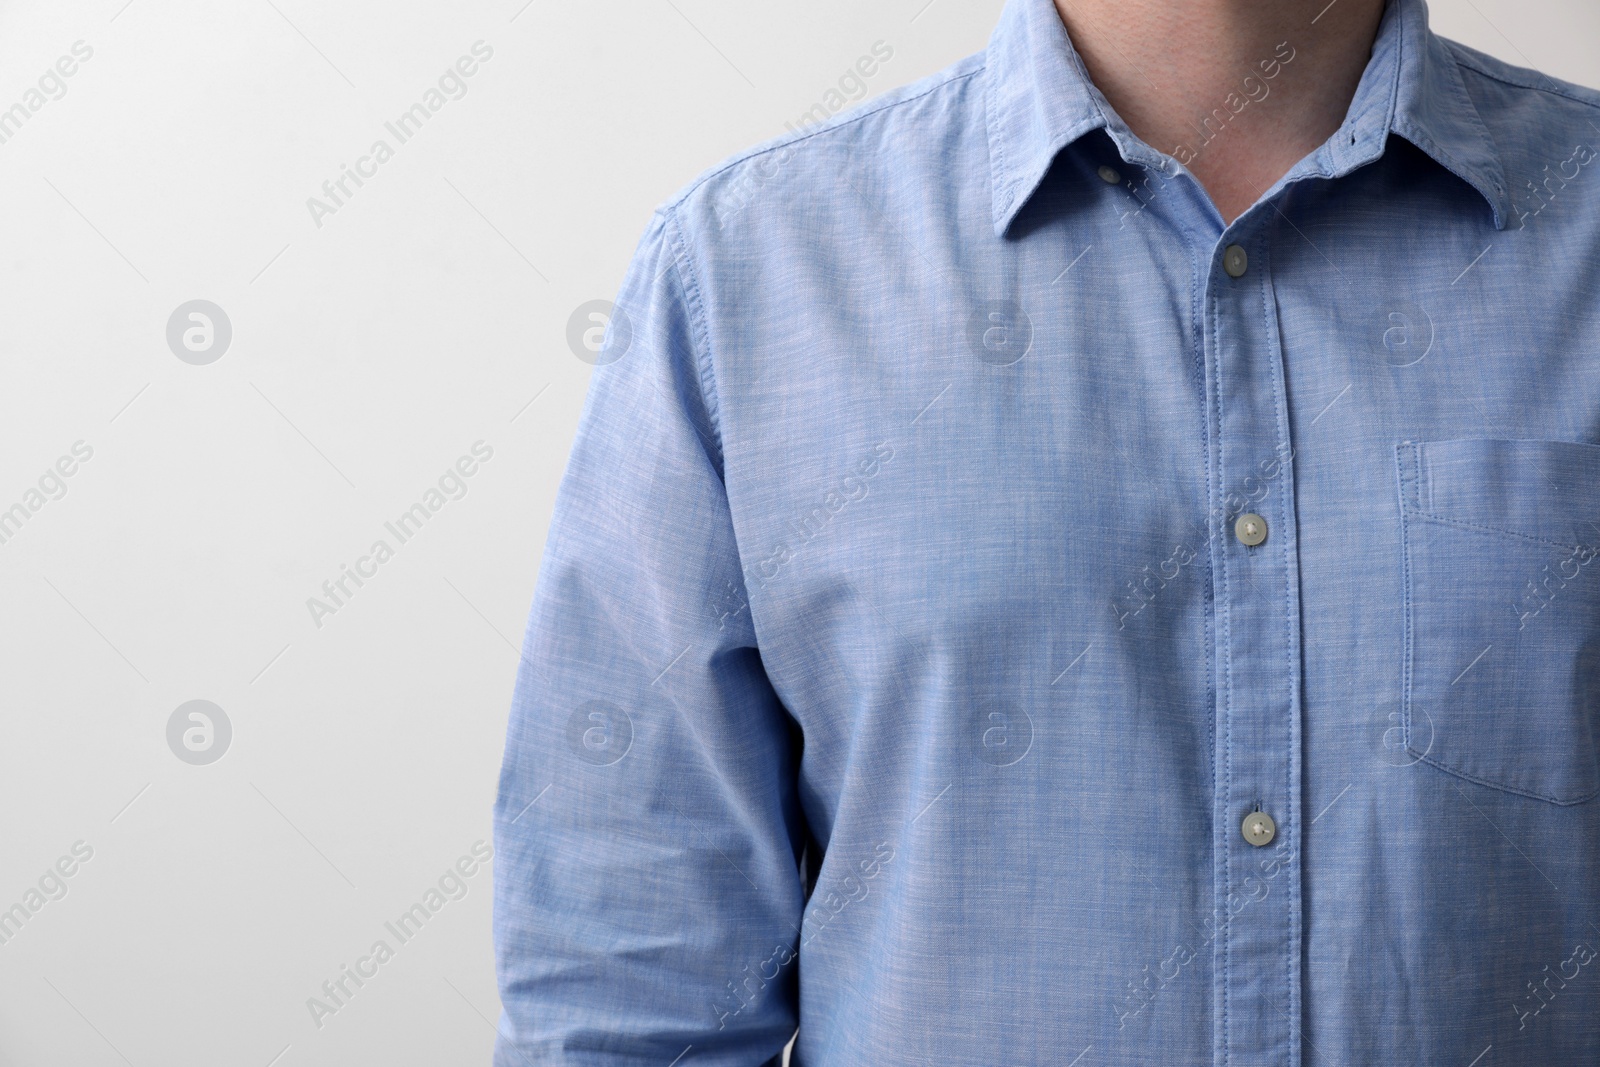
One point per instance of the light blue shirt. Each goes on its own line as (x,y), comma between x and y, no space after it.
(899,670)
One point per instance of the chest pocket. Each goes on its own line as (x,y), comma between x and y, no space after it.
(1502,608)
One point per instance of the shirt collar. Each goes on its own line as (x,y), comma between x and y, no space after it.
(1040,99)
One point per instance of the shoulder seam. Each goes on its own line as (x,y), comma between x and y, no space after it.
(853,117)
(1465,60)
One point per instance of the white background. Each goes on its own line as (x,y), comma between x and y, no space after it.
(429,312)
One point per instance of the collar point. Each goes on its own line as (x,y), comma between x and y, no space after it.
(1004,212)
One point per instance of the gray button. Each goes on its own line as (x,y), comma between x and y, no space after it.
(1109,175)
(1234,261)
(1259,829)
(1250,528)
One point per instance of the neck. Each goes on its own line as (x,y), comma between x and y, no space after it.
(1238,91)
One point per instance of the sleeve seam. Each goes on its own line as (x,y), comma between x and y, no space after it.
(701,334)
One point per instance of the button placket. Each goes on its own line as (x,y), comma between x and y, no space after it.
(1257,668)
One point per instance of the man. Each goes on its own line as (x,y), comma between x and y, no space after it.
(1087,559)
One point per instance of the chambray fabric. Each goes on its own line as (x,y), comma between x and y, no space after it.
(894,671)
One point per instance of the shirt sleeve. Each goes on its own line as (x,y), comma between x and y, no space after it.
(648,893)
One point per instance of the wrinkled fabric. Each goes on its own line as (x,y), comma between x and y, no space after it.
(896,673)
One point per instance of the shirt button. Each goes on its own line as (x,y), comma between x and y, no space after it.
(1250,528)
(1109,175)
(1234,261)
(1259,829)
